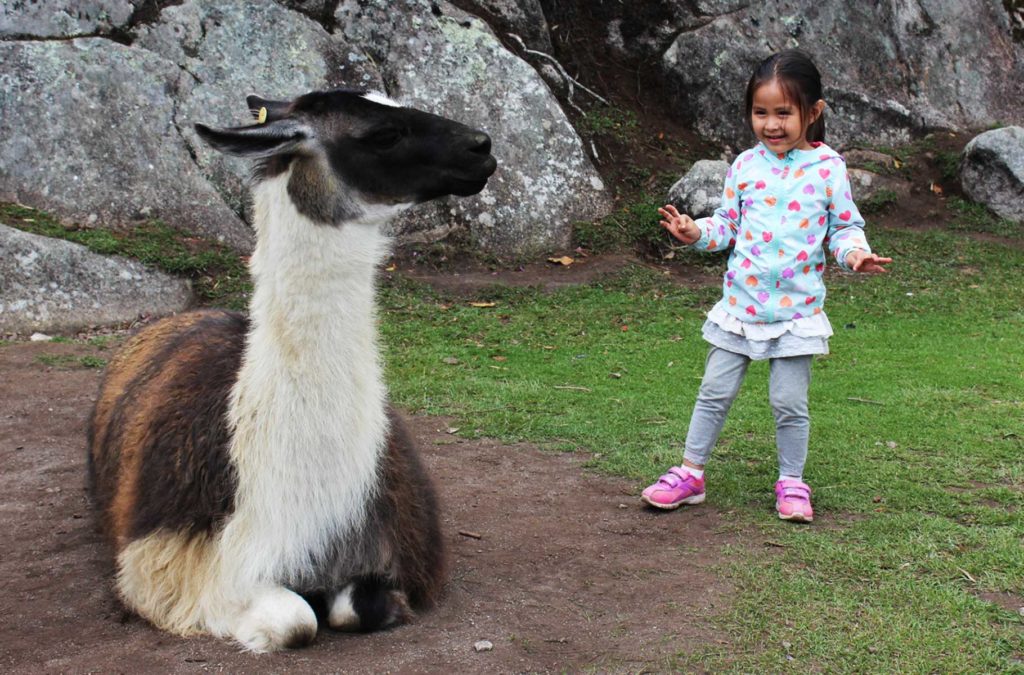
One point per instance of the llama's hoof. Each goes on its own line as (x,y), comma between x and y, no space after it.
(368,605)
(276,619)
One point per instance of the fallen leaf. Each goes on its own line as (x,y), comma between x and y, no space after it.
(451,360)
(896,163)
(481,304)
(564,260)
(500,358)
(390,268)
(937,189)
(451,430)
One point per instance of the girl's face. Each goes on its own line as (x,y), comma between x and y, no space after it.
(777,121)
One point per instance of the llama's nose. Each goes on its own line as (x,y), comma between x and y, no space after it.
(480,143)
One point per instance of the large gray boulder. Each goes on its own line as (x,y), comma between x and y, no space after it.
(522,18)
(51,285)
(64,18)
(891,69)
(95,130)
(88,132)
(451,63)
(699,192)
(992,171)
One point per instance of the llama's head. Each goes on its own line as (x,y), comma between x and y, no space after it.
(353,154)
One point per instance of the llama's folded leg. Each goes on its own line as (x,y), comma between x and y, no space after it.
(275,619)
(367,604)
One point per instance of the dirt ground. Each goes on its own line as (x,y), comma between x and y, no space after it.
(559,568)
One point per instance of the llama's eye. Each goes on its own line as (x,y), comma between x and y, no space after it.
(384,137)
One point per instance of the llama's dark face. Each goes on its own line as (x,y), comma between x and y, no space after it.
(349,151)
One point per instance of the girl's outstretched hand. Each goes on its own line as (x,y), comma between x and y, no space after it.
(680,225)
(868,263)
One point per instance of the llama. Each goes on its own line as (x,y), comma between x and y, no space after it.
(249,470)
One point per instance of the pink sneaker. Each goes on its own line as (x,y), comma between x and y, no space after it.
(793,501)
(675,488)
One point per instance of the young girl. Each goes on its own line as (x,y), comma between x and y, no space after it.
(784,202)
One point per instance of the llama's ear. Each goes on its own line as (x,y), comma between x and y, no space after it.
(265,110)
(257,141)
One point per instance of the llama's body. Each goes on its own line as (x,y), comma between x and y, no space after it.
(240,464)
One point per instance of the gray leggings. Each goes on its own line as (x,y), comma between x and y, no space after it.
(787,392)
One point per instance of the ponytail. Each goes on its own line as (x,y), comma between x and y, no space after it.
(816,132)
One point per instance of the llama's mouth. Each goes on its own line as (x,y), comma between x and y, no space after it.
(474,181)
(468,188)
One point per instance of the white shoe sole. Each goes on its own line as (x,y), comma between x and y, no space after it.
(797,517)
(696,499)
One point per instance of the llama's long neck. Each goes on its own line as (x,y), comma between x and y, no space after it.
(313,295)
(308,410)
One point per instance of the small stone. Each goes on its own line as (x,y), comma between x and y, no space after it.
(891,445)
(40,337)
(483,646)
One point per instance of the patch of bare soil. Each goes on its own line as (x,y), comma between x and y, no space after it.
(560,569)
(466,276)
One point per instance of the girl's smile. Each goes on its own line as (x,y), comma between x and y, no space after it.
(777,121)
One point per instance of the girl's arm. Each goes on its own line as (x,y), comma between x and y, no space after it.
(847,241)
(718,231)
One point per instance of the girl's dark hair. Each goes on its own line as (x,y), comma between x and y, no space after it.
(800,82)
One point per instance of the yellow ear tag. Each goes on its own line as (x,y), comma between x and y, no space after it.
(262,117)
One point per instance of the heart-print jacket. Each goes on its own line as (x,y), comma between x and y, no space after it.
(779,213)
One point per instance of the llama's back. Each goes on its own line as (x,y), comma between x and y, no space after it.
(158,437)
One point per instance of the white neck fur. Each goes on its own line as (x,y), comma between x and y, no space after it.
(308,410)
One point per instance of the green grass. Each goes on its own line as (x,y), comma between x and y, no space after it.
(617,122)
(917,443)
(974,217)
(218,274)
